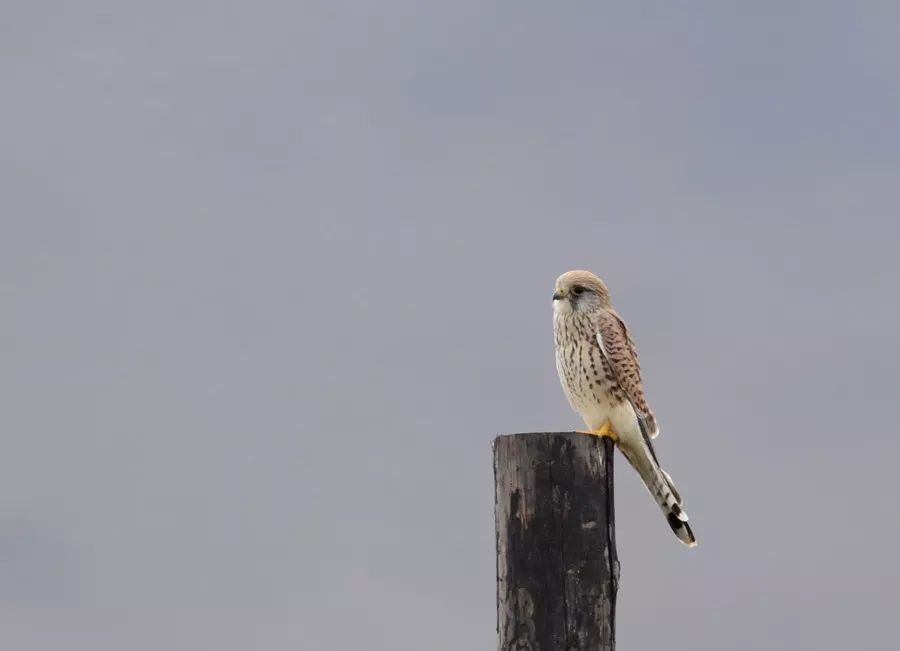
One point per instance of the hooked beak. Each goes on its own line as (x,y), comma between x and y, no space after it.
(559,294)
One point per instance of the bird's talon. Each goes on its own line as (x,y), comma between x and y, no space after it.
(605,430)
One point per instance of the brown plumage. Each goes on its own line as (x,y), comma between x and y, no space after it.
(601,376)
(619,348)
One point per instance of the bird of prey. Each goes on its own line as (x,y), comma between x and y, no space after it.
(600,374)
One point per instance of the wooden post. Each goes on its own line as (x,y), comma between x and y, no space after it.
(557,570)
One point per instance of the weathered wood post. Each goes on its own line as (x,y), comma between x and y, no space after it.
(557,570)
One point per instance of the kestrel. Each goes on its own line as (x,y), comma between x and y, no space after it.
(600,374)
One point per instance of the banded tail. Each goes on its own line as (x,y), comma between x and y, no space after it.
(661,487)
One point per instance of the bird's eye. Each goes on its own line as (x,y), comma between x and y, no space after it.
(577,289)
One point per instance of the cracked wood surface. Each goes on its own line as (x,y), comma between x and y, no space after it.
(557,571)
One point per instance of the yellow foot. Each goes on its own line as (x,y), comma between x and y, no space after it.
(605,430)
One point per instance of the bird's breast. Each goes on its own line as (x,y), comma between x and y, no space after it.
(586,377)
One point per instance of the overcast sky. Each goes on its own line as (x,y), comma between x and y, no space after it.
(273,275)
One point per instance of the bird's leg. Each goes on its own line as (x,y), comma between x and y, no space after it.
(605,430)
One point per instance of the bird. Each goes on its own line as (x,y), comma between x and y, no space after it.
(598,368)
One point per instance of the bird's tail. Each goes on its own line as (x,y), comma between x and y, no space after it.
(661,487)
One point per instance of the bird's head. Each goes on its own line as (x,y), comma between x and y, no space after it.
(579,291)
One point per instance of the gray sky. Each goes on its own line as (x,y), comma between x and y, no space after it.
(274,274)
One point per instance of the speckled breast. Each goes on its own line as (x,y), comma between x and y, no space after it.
(586,377)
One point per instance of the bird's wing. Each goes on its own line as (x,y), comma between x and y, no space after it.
(618,348)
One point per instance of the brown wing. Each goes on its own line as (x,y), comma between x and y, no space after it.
(618,347)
